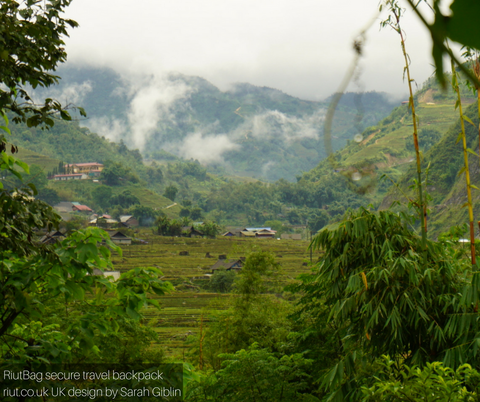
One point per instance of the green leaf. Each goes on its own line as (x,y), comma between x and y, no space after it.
(463,26)
(6,129)
(34,189)
(65,115)
(23,165)
(75,290)
(133,314)
(466,118)
(470,151)
(460,136)
(87,251)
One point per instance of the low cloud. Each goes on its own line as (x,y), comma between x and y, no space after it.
(107,127)
(72,94)
(152,102)
(267,167)
(205,148)
(277,125)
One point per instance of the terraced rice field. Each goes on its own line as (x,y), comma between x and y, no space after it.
(182,310)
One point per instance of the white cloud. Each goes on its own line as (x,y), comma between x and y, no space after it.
(71,94)
(302,47)
(152,103)
(107,127)
(205,148)
(276,125)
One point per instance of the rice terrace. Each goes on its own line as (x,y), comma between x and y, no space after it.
(182,309)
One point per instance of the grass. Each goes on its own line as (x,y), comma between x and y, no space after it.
(80,190)
(30,157)
(393,140)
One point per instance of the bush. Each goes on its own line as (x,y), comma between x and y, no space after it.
(222,281)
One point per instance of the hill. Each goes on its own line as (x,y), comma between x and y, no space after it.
(320,195)
(362,172)
(247,130)
(446,187)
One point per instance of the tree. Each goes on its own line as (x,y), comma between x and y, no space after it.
(385,298)
(145,215)
(64,272)
(154,174)
(209,229)
(168,227)
(114,173)
(49,195)
(125,199)
(171,192)
(37,278)
(255,375)
(31,47)
(184,213)
(222,281)
(318,220)
(251,281)
(434,382)
(196,213)
(101,196)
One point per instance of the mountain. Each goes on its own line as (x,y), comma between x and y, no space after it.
(384,154)
(247,130)
(358,174)
(446,184)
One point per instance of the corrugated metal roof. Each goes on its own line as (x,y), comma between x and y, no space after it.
(124,218)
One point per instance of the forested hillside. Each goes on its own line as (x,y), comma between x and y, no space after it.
(353,178)
(247,130)
(446,185)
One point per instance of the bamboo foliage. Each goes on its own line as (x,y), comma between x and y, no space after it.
(393,21)
(386,300)
(462,136)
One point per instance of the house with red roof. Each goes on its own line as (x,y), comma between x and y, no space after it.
(81,208)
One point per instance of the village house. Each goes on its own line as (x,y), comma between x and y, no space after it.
(258,233)
(228,265)
(104,222)
(111,275)
(90,169)
(129,221)
(73,176)
(80,171)
(190,231)
(52,237)
(233,233)
(119,238)
(63,206)
(76,207)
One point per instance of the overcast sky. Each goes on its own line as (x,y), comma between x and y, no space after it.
(302,47)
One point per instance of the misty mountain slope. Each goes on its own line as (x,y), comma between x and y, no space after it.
(247,130)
